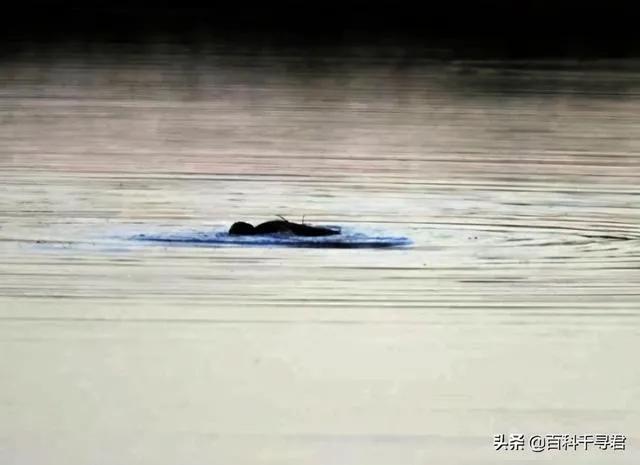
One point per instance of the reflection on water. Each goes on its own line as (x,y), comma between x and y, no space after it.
(516,309)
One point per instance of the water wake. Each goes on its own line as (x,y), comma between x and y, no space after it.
(345,240)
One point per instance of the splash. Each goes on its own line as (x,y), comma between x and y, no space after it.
(345,240)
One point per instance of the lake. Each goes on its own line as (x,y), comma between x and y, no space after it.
(516,309)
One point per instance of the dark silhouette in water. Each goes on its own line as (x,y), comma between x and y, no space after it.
(282,226)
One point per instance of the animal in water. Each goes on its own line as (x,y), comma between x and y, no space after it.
(282,226)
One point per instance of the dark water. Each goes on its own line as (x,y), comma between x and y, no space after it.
(516,308)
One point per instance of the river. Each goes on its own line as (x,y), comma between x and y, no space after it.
(515,310)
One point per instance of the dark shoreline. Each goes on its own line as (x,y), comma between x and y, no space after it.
(485,28)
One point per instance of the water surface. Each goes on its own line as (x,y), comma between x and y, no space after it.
(516,309)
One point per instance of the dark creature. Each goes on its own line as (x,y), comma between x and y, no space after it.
(282,226)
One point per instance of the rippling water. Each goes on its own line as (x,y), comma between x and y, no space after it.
(516,309)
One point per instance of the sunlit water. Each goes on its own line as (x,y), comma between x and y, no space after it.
(515,309)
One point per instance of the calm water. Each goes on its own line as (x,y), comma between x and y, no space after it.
(517,309)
